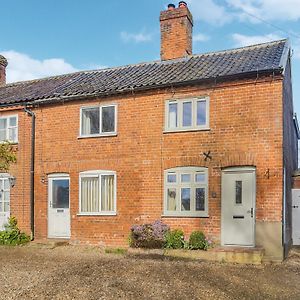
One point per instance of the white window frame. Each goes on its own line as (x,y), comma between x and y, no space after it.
(5,176)
(100,134)
(194,126)
(8,127)
(98,174)
(178,185)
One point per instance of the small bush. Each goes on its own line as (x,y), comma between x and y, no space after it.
(175,239)
(151,236)
(198,241)
(12,235)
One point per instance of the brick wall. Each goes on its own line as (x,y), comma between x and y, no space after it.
(245,129)
(19,194)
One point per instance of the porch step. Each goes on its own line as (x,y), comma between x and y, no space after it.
(242,255)
(51,243)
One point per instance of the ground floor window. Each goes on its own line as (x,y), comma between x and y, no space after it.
(186,192)
(4,195)
(97,192)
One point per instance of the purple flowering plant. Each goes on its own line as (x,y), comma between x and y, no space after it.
(152,236)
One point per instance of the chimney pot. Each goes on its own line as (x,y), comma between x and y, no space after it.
(3,65)
(182,4)
(171,6)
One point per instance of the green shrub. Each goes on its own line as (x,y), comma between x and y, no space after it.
(12,234)
(198,241)
(175,239)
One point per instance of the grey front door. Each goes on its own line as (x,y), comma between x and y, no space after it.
(238,207)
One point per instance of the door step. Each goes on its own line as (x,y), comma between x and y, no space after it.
(51,243)
(242,255)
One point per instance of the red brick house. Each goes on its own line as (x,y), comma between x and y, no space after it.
(204,142)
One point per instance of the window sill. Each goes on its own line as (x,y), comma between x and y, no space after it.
(97,135)
(186,130)
(184,216)
(97,214)
(9,142)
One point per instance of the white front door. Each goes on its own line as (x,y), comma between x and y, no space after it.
(59,207)
(4,202)
(296,216)
(238,207)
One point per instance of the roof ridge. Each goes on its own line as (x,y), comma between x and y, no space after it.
(241,48)
(19,83)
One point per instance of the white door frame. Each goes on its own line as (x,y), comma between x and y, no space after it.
(235,170)
(52,177)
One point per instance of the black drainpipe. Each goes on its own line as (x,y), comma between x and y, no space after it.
(32,115)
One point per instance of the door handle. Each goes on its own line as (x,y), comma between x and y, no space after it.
(295,206)
(251,211)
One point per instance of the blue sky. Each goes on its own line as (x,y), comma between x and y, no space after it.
(42,38)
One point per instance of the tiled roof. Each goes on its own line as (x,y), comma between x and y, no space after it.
(268,57)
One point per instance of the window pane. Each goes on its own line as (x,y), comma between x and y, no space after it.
(200,177)
(200,199)
(6,184)
(201,112)
(185,178)
(90,121)
(171,178)
(2,135)
(107,193)
(5,196)
(12,134)
(171,200)
(187,114)
(3,123)
(238,192)
(60,193)
(6,206)
(90,194)
(173,115)
(108,119)
(185,199)
(12,121)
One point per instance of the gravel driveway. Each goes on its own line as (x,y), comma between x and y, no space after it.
(69,272)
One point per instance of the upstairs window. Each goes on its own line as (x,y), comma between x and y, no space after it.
(99,120)
(9,129)
(188,114)
(186,192)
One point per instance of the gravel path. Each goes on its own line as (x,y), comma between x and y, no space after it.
(69,272)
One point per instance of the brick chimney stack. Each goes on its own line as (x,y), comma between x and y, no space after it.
(3,65)
(176,25)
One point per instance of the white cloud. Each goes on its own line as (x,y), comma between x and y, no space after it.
(241,40)
(135,37)
(22,67)
(209,11)
(285,10)
(199,37)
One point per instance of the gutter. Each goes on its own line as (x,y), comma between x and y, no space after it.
(59,99)
(32,115)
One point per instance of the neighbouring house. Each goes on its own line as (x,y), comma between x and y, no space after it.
(204,142)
